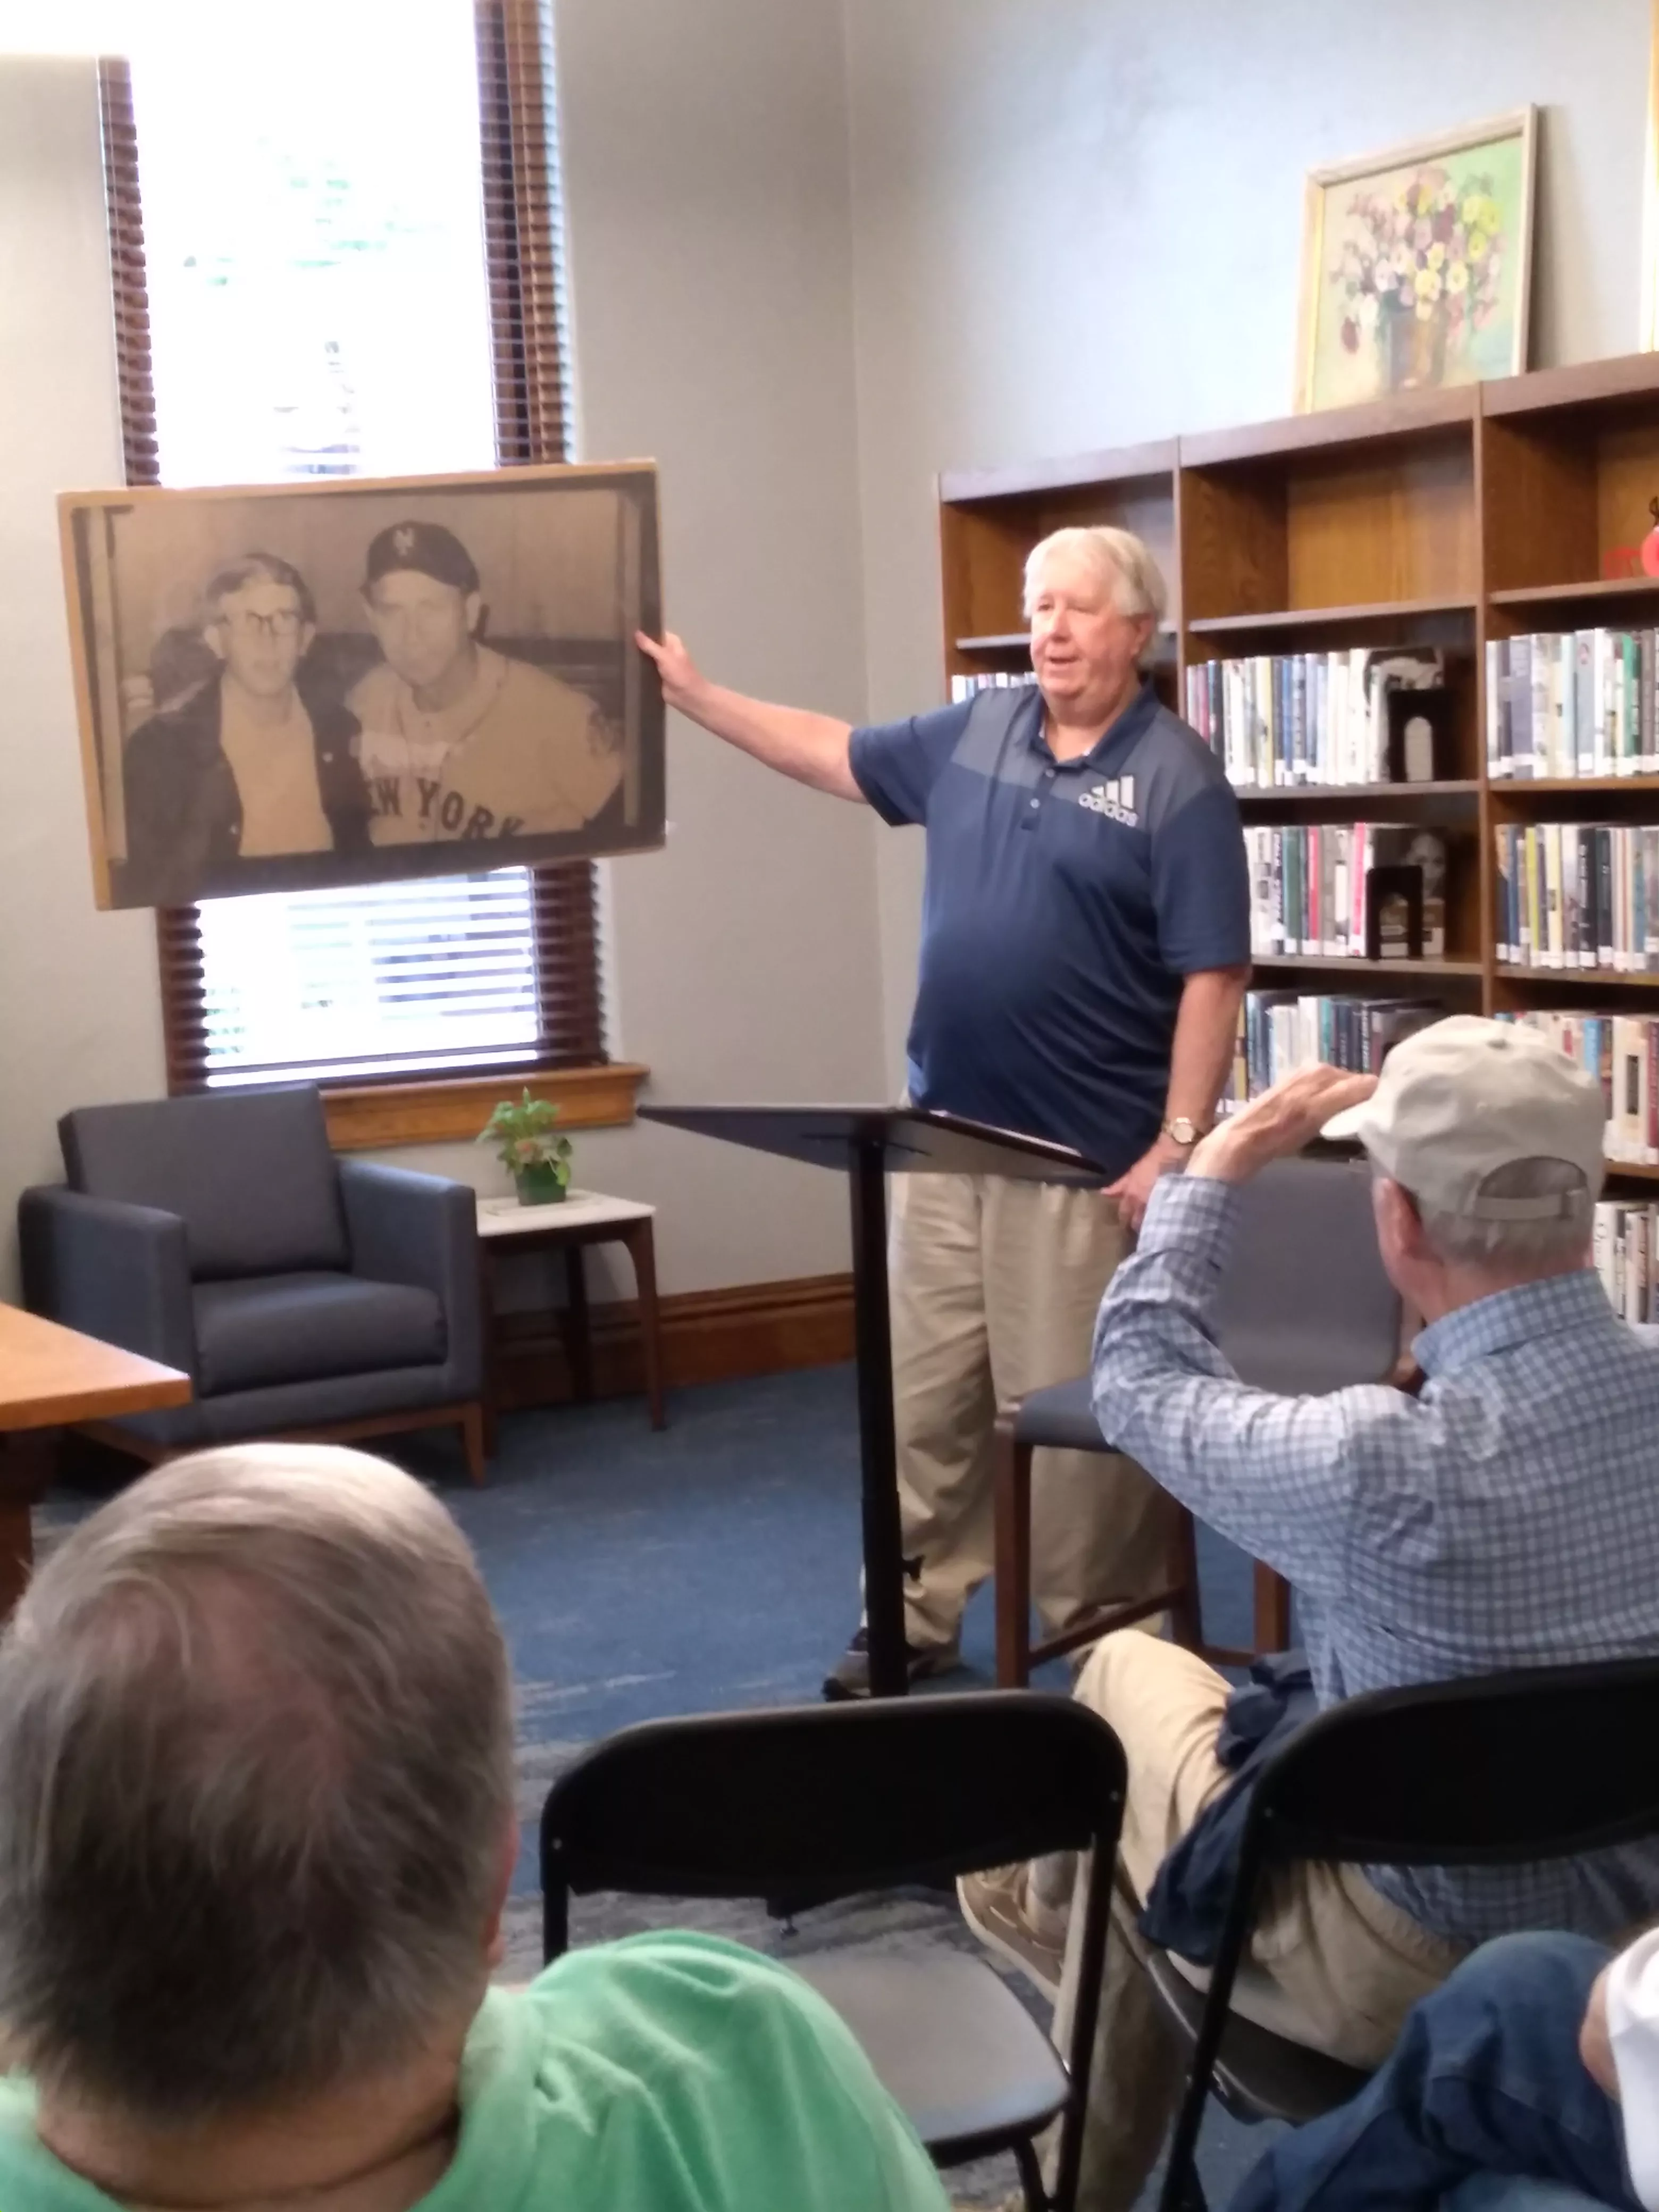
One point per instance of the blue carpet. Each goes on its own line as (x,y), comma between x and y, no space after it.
(710,1567)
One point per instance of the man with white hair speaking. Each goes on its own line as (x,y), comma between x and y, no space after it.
(1507,1515)
(1085,947)
(255,1833)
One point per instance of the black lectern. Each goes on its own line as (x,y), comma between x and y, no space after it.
(872,1142)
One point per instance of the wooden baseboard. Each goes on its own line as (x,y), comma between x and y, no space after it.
(707,1336)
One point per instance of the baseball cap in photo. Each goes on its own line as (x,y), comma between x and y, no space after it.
(426,547)
(1464,1098)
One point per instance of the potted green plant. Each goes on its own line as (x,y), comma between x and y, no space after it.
(521,1131)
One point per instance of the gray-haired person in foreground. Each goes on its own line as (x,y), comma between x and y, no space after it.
(256,1835)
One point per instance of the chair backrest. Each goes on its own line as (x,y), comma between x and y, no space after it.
(1543,1762)
(249,1172)
(811,1802)
(1304,1304)
(1539,1763)
(823,1801)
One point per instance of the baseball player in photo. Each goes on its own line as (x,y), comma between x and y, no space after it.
(457,740)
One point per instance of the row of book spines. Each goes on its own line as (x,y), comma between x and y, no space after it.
(1570,703)
(1280,1031)
(1624,1253)
(1622,1052)
(1278,719)
(965,687)
(1308,887)
(1578,895)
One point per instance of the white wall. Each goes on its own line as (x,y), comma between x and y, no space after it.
(79,1015)
(1077,223)
(706,183)
(706,186)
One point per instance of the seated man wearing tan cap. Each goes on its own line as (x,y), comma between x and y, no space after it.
(1507,1515)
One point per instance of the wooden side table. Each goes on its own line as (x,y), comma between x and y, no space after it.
(52,1377)
(584,1218)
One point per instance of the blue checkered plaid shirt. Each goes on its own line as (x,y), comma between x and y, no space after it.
(1506,1516)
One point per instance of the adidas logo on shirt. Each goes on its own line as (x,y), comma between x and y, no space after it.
(1116,798)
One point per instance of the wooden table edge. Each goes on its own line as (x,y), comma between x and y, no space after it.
(60,1409)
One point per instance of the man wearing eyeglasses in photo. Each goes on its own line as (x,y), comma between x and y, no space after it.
(245,767)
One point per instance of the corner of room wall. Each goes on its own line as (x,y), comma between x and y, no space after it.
(79,1005)
(1079,225)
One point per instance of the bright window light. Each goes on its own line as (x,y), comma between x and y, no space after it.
(318,307)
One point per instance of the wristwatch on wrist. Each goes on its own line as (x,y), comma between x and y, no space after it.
(1181,1131)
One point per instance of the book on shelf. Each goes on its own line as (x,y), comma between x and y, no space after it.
(1622,1052)
(1576,895)
(1309,885)
(1280,1031)
(1623,1245)
(1279,720)
(1568,703)
(965,686)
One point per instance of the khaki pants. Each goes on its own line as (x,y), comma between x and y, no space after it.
(1345,1965)
(994,1287)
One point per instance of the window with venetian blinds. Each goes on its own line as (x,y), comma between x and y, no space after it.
(373,286)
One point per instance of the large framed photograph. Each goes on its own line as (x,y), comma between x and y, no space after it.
(1416,265)
(299,687)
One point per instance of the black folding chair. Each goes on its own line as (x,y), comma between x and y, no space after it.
(1544,1763)
(814,1802)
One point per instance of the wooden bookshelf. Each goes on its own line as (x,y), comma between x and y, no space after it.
(1444,518)
(1392,611)
(1342,964)
(1373,802)
(1602,591)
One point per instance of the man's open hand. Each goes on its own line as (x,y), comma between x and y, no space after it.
(681,677)
(1278,1123)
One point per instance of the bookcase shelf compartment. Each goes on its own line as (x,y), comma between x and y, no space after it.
(1395,611)
(1372,794)
(1600,588)
(1517,786)
(1379,526)
(1453,807)
(1341,964)
(1577,979)
(990,518)
(1019,640)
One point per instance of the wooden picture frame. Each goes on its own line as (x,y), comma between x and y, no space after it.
(305,686)
(1402,219)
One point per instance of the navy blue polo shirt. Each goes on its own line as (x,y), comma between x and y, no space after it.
(1065,902)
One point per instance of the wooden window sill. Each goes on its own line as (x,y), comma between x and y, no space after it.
(379,1116)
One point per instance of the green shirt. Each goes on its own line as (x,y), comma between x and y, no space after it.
(668,2073)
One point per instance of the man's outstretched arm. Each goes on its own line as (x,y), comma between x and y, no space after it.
(813,749)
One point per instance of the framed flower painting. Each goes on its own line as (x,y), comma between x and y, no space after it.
(1416,265)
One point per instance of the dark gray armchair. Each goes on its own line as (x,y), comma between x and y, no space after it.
(301,1292)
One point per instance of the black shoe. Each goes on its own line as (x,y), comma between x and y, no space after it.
(850,1676)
